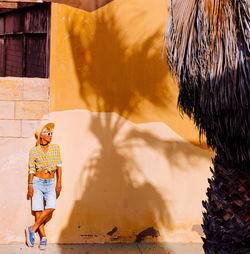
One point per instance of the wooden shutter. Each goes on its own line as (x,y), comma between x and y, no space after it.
(36,55)
(14,56)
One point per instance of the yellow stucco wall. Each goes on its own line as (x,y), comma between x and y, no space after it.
(126,148)
(128,157)
(111,61)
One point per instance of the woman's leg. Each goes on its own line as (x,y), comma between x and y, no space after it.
(41,227)
(49,194)
(41,219)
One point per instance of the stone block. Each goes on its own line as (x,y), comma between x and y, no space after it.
(31,110)
(29,127)
(36,89)
(7,109)
(11,89)
(10,128)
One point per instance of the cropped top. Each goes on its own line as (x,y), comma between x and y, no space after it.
(39,161)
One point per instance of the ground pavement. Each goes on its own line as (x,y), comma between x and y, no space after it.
(131,248)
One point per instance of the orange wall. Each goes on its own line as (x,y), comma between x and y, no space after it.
(110,60)
(127,157)
(128,161)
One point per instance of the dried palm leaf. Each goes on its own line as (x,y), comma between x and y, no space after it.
(208,48)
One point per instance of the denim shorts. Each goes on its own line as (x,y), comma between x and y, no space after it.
(44,190)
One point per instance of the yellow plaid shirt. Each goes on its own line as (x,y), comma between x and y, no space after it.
(39,161)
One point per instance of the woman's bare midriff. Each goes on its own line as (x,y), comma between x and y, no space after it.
(45,175)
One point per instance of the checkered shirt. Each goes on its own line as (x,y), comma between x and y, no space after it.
(39,161)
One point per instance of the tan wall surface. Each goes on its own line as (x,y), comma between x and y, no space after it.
(129,176)
(115,174)
(128,161)
(24,102)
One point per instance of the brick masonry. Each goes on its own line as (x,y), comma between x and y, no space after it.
(24,102)
(30,110)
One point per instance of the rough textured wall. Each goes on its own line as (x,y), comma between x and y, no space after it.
(129,170)
(126,149)
(125,175)
(116,174)
(111,60)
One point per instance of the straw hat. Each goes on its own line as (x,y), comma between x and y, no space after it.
(50,126)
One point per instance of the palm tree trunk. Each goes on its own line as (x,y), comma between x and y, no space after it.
(226,222)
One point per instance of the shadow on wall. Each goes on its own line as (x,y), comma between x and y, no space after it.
(114,206)
(118,202)
(118,76)
(172,150)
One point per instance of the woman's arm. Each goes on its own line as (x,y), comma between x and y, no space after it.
(30,186)
(58,180)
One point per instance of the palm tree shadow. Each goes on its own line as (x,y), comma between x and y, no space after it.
(113,197)
(119,76)
(116,199)
(172,150)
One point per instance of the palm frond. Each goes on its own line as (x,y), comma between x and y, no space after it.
(207,45)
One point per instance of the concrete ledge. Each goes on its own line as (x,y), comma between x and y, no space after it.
(117,248)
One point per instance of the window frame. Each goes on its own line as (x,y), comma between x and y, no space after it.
(26,29)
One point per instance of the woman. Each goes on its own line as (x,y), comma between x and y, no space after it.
(44,162)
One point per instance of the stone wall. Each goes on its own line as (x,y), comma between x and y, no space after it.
(23,103)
